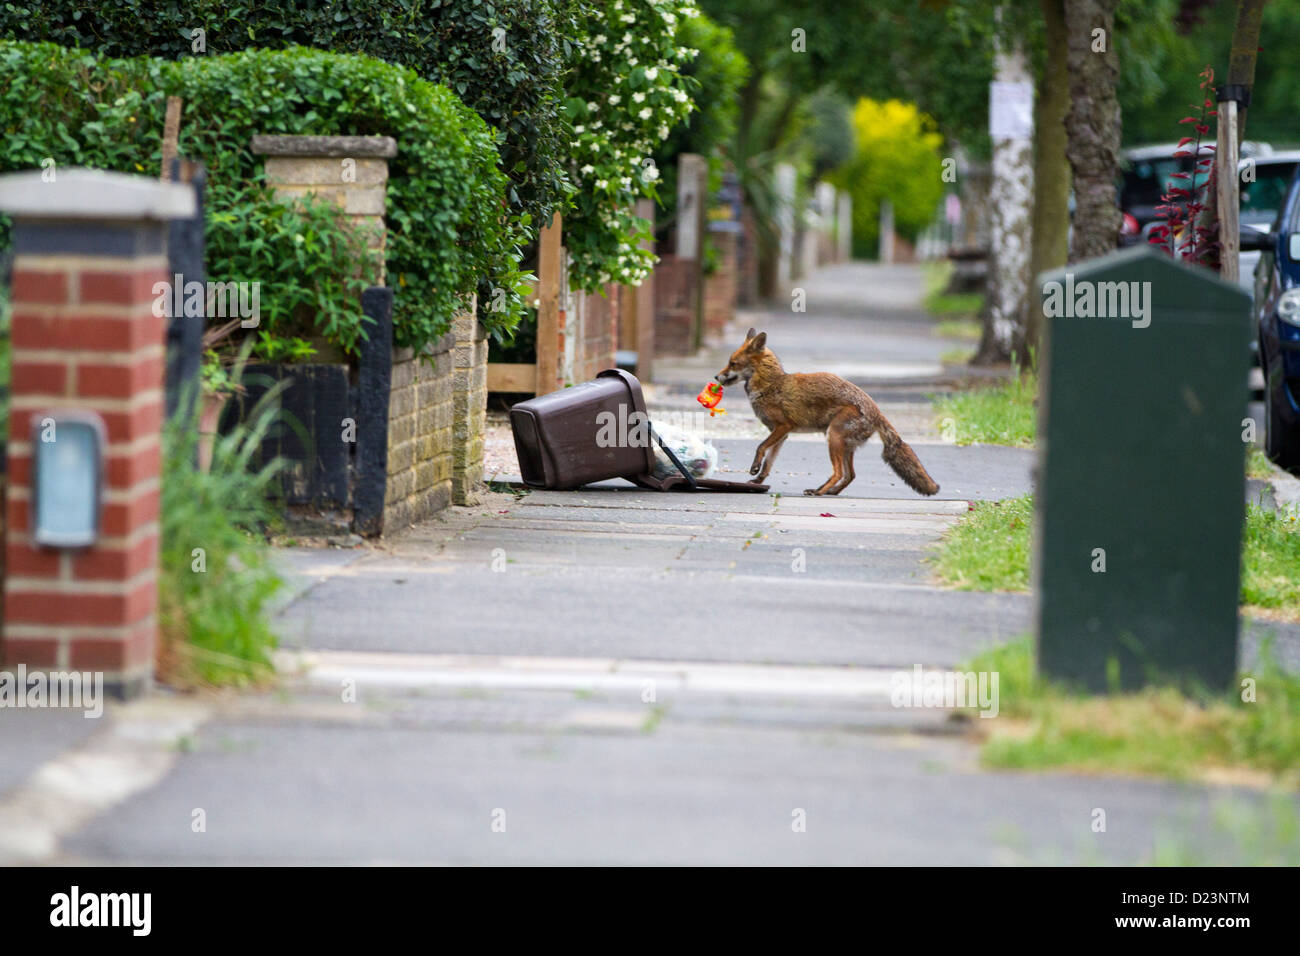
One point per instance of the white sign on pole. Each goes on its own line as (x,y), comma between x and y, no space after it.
(1011,110)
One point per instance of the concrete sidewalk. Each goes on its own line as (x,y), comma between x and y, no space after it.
(617,675)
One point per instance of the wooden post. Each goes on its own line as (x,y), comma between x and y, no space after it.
(171,135)
(636,318)
(573,334)
(549,270)
(1225,158)
(643,297)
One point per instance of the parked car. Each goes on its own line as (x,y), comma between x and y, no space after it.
(1129,231)
(1263,189)
(1262,192)
(1146,174)
(1277,313)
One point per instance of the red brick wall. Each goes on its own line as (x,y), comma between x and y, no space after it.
(626,334)
(720,287)
(600,333)
(84,336)
(674,305)
(747,260)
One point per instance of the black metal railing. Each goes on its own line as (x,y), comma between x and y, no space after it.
(185,259)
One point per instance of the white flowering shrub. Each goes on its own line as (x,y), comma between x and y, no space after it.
(624,98)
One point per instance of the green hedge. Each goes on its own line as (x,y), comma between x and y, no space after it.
(515,83)
(448,219)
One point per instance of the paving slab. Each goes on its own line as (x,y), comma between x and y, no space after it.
(31,737)
(968,473)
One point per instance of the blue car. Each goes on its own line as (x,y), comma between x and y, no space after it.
(1277,309)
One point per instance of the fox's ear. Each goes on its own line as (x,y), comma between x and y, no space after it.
(758,342)
(750,334)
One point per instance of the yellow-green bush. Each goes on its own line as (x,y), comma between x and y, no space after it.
(897,156)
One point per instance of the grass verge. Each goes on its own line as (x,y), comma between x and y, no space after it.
(955,304)
(1267,835)
(945,305)
(1002,414)
(1258,465)
(964,329)
(1157,731)
(215,577)
(1270,562)
(988,550)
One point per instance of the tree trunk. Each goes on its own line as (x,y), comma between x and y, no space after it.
(1093,125)
(750,98)
(1245,51)
(1010,206)
(781,121)
(1051,222)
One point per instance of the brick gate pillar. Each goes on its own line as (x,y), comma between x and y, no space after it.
(89,247)
(350,170)
(469,407)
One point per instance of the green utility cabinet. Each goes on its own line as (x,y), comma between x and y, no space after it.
(1141,473)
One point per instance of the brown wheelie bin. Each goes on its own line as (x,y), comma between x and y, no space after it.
(595,431)
(564,439)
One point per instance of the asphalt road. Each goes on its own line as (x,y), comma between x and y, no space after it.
(592,780)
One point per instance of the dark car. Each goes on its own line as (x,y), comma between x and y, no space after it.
(1263,183)
(1277,310)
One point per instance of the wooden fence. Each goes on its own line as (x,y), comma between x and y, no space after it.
(545,374)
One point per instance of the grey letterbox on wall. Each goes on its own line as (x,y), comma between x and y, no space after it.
(67,479)
(1141,485)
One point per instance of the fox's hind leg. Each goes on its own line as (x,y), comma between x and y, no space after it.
(848,464)
(836,481)
(842,439)
(837,446)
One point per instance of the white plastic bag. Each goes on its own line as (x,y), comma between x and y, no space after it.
(698,456)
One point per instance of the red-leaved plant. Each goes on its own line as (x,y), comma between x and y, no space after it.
(1185,233)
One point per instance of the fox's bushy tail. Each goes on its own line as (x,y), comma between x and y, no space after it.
(899,456)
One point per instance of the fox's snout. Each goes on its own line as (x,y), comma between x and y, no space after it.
(741,365)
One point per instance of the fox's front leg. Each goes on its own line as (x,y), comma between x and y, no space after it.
(769,447)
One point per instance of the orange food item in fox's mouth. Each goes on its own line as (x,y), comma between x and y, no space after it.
(709,397)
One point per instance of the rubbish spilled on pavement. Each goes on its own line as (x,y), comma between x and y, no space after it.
(698,455)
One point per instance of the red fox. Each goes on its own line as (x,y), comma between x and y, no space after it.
(821,402)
